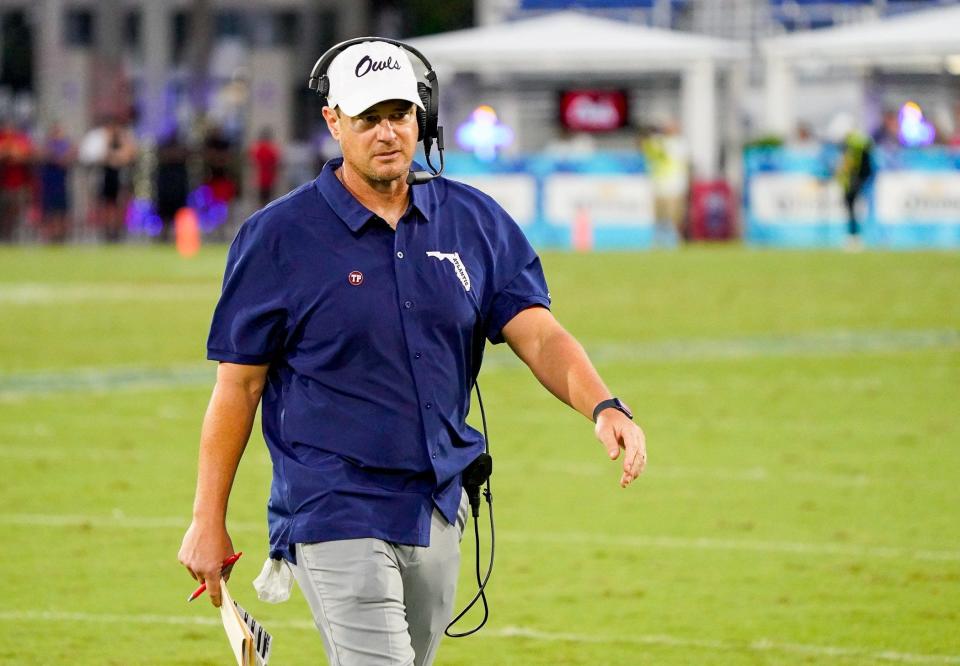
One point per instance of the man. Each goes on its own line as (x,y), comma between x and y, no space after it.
(16,154)
(265,156)
(853,173)
(669,160)
(356,308)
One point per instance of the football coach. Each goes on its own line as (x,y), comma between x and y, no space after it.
(356,309)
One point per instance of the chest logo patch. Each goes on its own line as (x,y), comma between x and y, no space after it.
(355,278)
(458,267)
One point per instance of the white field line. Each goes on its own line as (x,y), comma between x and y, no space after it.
(42,453)
(119,520)
(749,474)
(812,344)
(737,545)
(53,455)
(808,344)
(118,618)
(72,456)
(44,293)
(758,645)
(823,343)
(61,456)
(103,379)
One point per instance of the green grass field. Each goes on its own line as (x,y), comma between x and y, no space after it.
(802,504)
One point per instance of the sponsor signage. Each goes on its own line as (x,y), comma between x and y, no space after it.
(603,201)
(918,197)
(796,198)
(792,198)
(517,193)
(593,110)
(608,199)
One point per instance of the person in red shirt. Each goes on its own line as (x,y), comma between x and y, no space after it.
(265,155)
(954,141)
(16,155)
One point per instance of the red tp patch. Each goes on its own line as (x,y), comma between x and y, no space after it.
(355,278)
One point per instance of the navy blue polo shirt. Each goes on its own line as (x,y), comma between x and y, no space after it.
(374,339)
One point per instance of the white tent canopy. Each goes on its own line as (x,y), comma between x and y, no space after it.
(922,37)
(571,41)
(568,42)
(934,32)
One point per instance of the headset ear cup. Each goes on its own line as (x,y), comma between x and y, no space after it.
(323,87)
(426,118)
(421,124)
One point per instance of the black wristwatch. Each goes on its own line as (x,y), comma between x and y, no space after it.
(612,403)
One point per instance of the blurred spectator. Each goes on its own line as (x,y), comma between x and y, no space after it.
(955,139)
(16,155)
(299,163)
(853,173)
(304,159)
(57,156)
(668,159)
(115,172)
(888,134)
(220,175)
(172,184)
(804,140)
(324,148)
(265,155)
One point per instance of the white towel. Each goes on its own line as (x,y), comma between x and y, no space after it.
(275,581)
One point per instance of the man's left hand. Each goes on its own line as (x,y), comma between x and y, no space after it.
(616,431)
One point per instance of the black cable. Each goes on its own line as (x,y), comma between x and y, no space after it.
(426,154)
(481,583)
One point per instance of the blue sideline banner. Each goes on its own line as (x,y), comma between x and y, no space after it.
(791,198)
(917,198)
(549,197)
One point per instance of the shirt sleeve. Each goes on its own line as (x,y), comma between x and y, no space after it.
(249,322)
(518,280)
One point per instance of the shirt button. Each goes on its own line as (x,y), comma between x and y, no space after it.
(399,255)
(417,355)
(433,455)
(408,304)
(428,405)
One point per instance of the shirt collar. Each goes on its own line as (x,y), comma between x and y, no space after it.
(424,197)
(354,214)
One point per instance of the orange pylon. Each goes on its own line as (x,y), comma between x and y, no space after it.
(582,231)
(187,232)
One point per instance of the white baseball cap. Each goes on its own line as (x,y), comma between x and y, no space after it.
(369,73)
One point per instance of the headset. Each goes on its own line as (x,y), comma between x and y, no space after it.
(428,126)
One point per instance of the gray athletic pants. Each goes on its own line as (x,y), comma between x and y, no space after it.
(377,602)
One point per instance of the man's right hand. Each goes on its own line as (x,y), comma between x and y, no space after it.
(226,429)
(202,552)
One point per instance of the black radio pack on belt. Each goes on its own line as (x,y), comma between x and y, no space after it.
(475,475)
(427,120)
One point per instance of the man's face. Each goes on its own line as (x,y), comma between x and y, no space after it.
(380,142)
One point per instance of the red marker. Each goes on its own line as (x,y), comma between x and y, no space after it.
(229,562)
